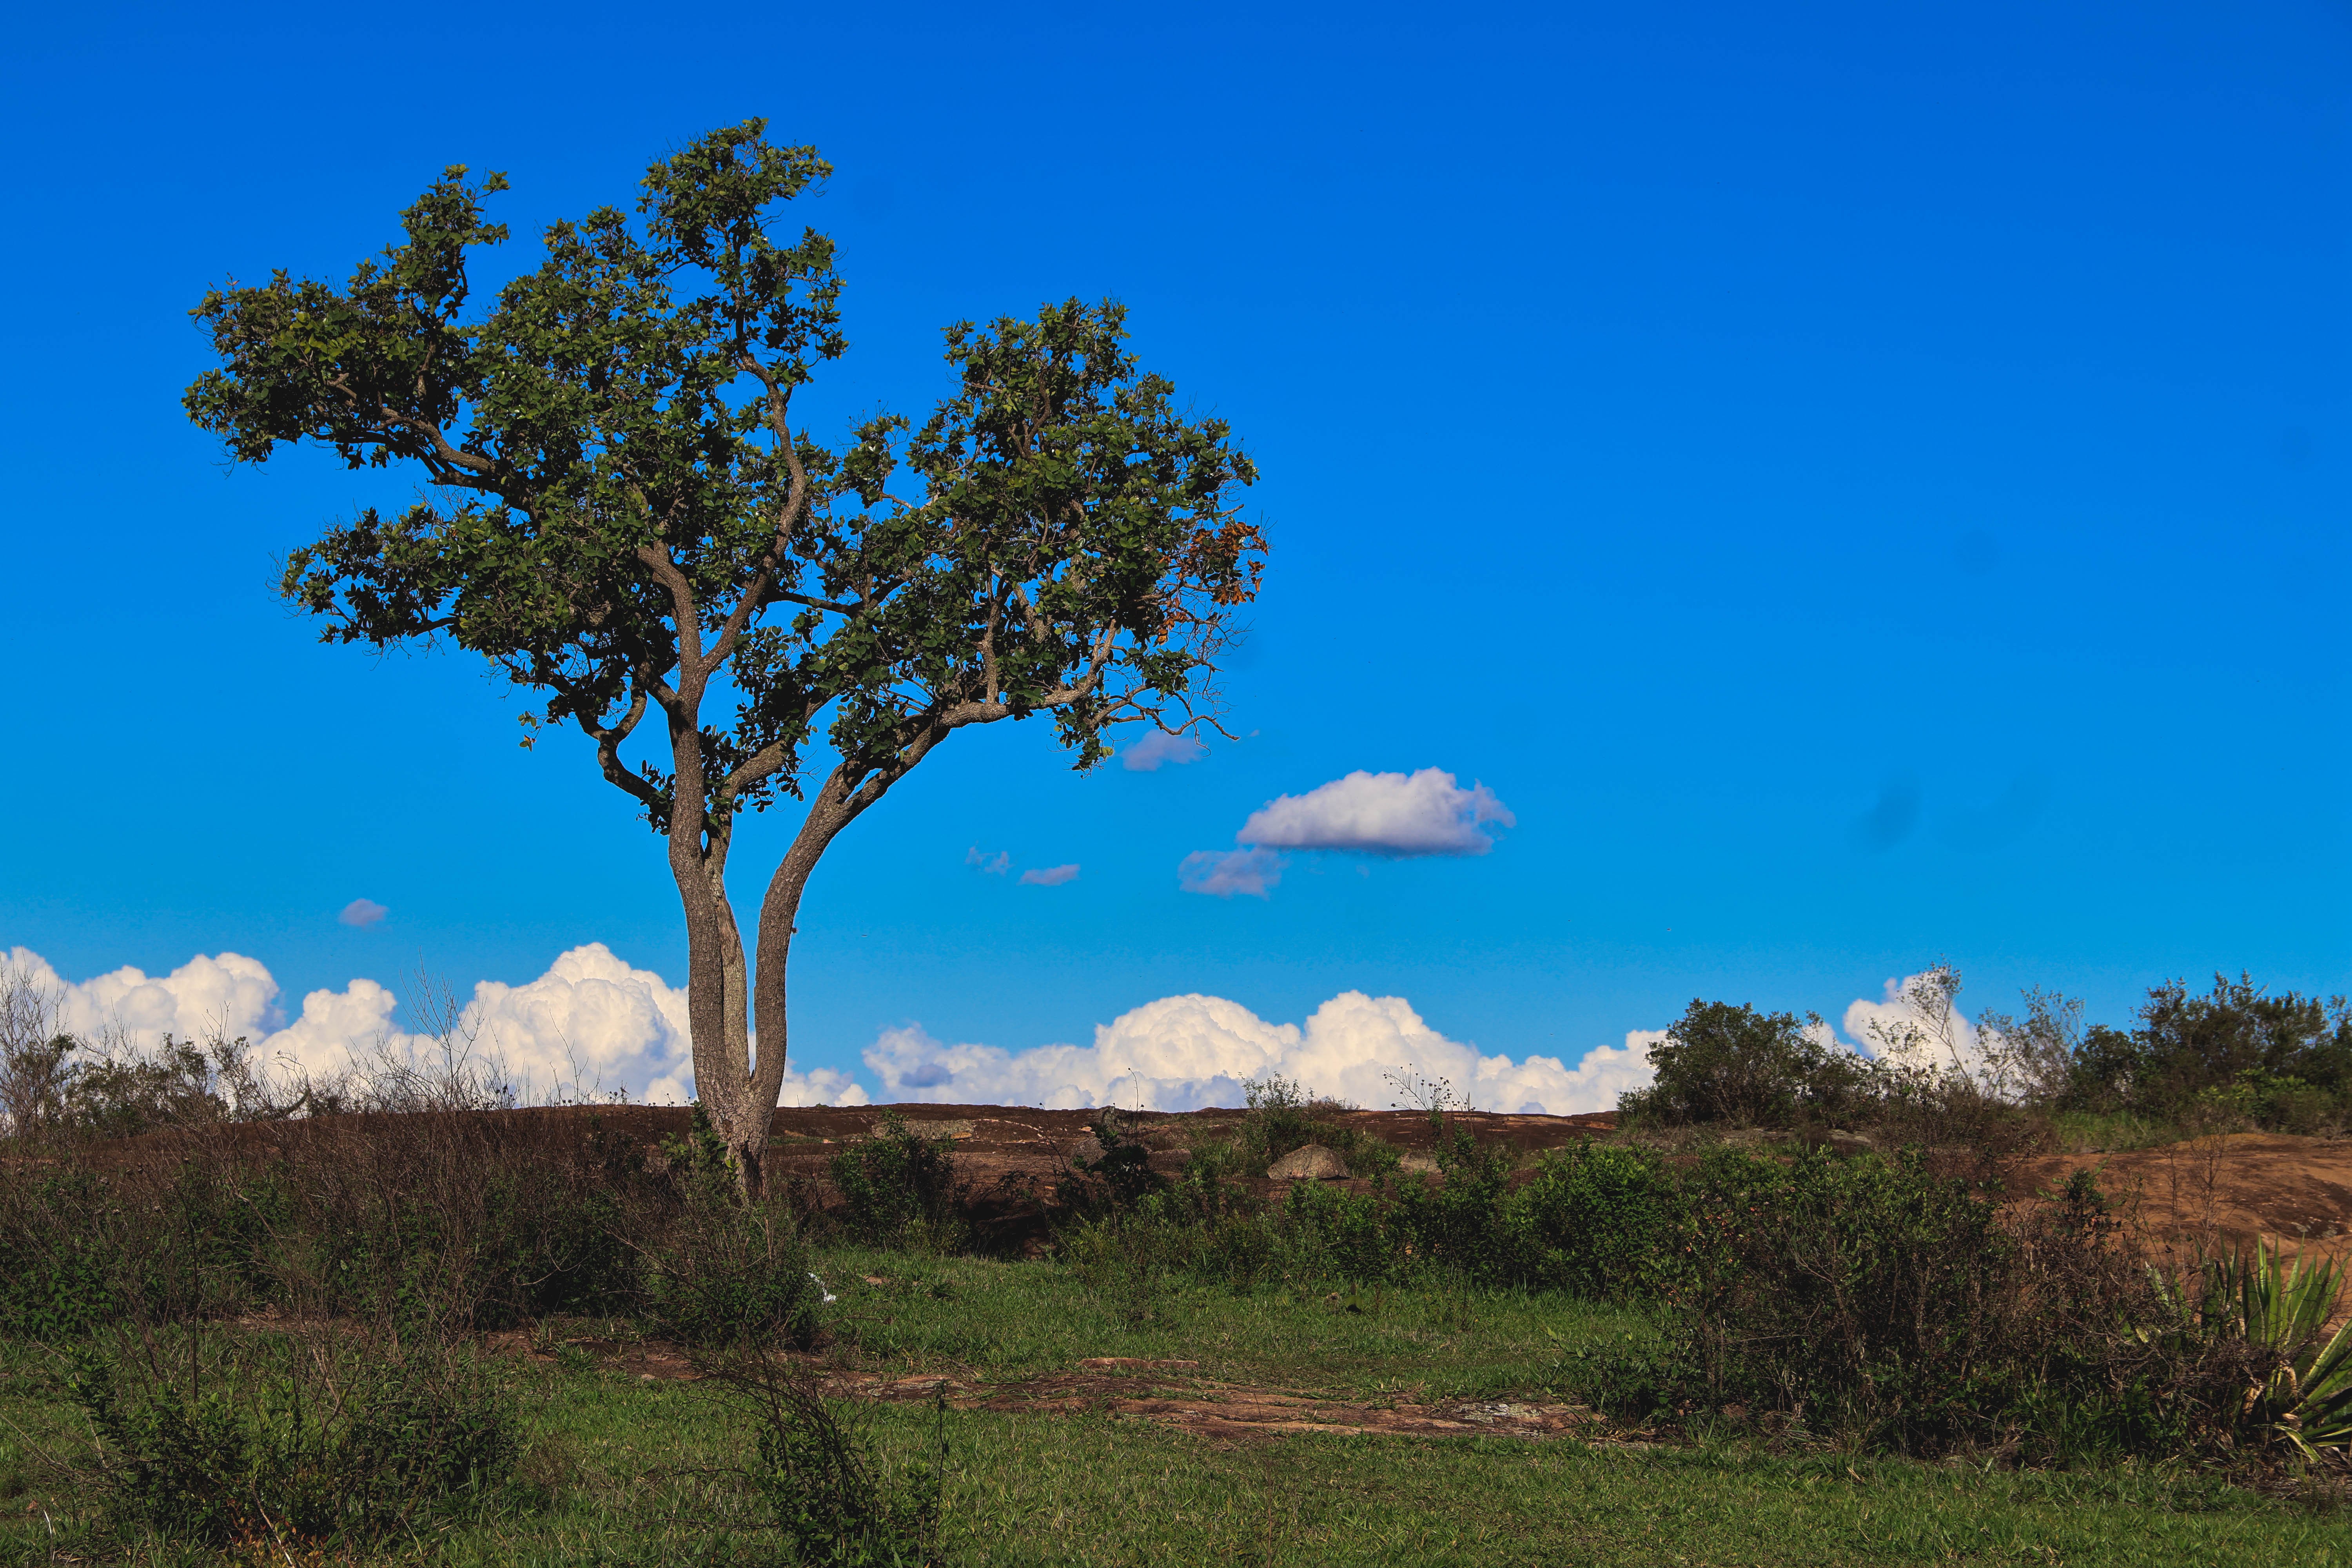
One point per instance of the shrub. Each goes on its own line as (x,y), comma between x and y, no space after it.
(1282,1116)
(1721,1063)
(2306,1397)
(834,1501)
(1877,1301)
(899,1189)
(2236,1053)
(283,1439)
(1118,1178)
(455,1220)
(731,1274)
(1597,1222)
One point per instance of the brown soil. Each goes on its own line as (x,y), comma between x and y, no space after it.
(1170,1393)
(2221,1192)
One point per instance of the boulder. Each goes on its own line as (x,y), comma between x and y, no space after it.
(1418,1165)
(1312,1162)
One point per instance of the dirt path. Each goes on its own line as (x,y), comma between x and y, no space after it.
(1170,1393)
(1173,1394)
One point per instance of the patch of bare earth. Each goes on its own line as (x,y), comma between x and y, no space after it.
(1167,1393)
(1172,1393)
(2220,1194)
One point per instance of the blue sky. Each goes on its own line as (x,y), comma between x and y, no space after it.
(1859,484)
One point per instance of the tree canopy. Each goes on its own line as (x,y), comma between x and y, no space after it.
(622,513)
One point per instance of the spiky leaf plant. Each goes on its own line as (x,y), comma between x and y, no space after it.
(2306,1399)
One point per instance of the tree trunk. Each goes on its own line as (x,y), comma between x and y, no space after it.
(724,1002)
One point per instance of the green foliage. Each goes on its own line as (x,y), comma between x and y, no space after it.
(700,1162)
(1118,1177)
(731,1274)
(1283,1115)
(1596,1222)
(1849,1292)
(2235,1054)
(59,1275)
(1722,1063)
(626,522)
(291,1441)
(451,1221)
(898,1188)
(831,1497)
(2306,1397)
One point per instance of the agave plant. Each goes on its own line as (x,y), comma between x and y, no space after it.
(2308,1397)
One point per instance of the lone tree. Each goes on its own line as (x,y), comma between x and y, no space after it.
(624,517)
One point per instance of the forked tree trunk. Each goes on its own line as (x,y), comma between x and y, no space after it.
(725,1000)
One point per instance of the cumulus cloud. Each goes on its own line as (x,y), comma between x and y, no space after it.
(1910,1027)
(1158,747)
(1049,876)
(1225,872)
(995,864)
(229,994)
(589,1024)
(1182,1053)
(363,912)
(1425,813)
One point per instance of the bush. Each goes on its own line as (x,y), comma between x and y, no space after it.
(281,1439)
(1877,1302)
(2236,1053)
(1721,1063)
(1597,1222)
(899,1189)
(1284,1116)
(732,1275)
(833,1500)
(1118,1178)
(452,1220)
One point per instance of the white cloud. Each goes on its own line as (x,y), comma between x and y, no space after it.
(1182,1053)
(363,912)
(231,993)
(589,1024)
(1425,813)
(995,864)
(1225,872)
(1049,876)
(1158,747)
(1906,1027)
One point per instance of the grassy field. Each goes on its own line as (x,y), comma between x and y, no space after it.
(624,1469)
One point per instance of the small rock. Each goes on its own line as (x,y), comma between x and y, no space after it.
(1312,1162)
(1417,1165)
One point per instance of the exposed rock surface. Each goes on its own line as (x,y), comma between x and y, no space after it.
(1310,1162)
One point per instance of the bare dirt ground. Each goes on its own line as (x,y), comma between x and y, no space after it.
(1168,1393)
(1172,1394)
(2222,1193)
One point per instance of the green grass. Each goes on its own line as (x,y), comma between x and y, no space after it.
(625,1471)
(2088,1132)
(1011,1321)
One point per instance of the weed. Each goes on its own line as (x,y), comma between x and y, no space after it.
(283,1438)
(832,1498)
